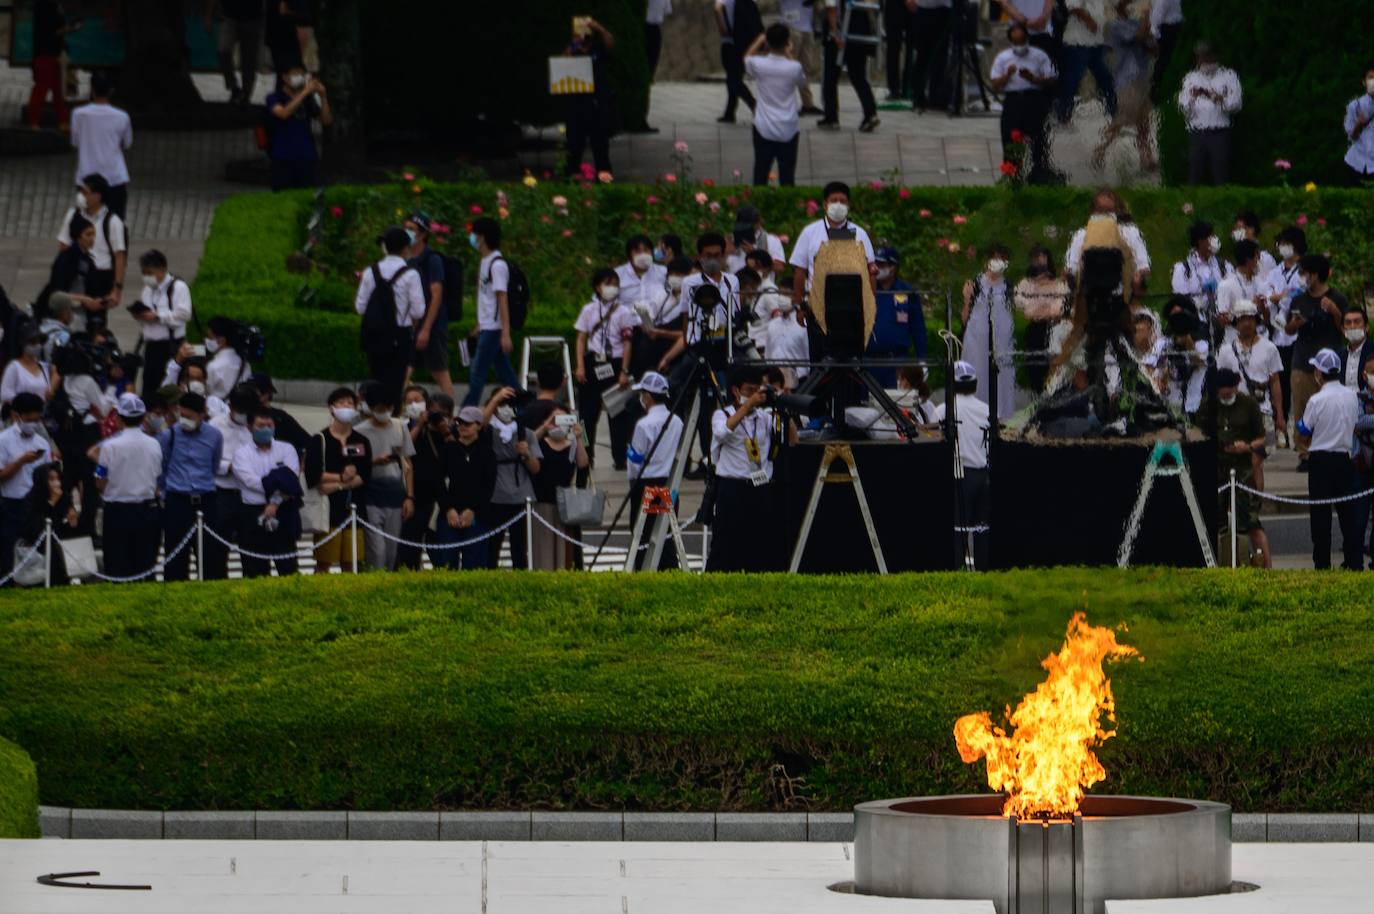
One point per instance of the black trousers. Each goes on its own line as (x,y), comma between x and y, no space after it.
(256,538)
(653,44)
(389,368)
(99,283)
(496,515)
(1286,380)
(1026,112)
(855,59)
(131,534)
(292,174)
(732,59)
(1209,153)
(416,530)
(156,355)
(668,559)
(117,199)
(224,520)
(768,151)
(932,52)
(1168,40)
(589,408)
(588,124)
(975,507)
(742,529)
(1331,474)
(899,26)
(178,517)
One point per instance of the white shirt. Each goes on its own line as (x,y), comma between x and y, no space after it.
(796,15)
(787,341)
(660,463)
(1233,290)
(971,415)
(223,373)
(84,393)
(1205,112)
(235,437)
(701,325)
(1360,155)
(729,452)
(17,380)
(1130,234)
(408,291)
(1196,277)
(101,133)
(492,276)
(1284,280)
(104,249)
(608,327)
(645,292)
(1076,32)
(14,445)
(737,259)
(171,301)
(776,81)
(1035,60)
(817,234)
(251,463)
(1165,12)
(1353,367)
(133,462)
(1190,399)
(1330,416)
(657,10)
(1032,10)
(1257,363)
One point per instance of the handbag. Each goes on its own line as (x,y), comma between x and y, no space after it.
(581,507)
(314,504)
(31,572)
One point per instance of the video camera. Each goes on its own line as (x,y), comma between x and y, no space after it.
(1100,281)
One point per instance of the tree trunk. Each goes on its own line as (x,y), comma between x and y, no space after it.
(339,34)
(156,75)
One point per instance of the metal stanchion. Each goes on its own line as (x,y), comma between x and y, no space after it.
(200,545)
(1233,517)
(529,534)
(705,544)
(47,553)
(353,532)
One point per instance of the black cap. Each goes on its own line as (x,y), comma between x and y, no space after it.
(192,401)
(420,218)
(394,237)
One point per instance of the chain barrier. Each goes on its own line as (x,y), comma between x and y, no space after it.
(28,556)
(1356,496)
(552,528)
(157,567)
(432,546)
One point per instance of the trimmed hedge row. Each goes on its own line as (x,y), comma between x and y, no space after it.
(488,690)
(559,233)
(18,793)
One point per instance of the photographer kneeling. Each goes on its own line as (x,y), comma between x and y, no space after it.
(741,452)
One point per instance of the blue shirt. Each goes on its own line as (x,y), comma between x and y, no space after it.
(189,460)
(899,324)
(430,265)
(290,140)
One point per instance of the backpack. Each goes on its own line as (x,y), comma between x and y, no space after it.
(381,334)
(453,289)
(517,293)
(250,344)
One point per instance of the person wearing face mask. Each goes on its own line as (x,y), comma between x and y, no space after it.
(22,447)
(1315,317)
(391,490)
(469,464)
(287,428)
(650,460)
(1183,375)
(899,324)
(108,250)
(643,283)
(493,328)
(1282,284)
(127,468)
(1025,75)
(1043,298)
(836,223)
(1201,272)
(1358,349)
(788,341)
(164,307)
(1359,158)
(605,332)
(989,327)
(1244,284)
(518,459)
(750,236)
(50,502)
(28,373)
(1210,97)
(431,332)
(656,337)
(338,463)
(1256,360)
(1327,430)
(227,519)
(1128,37)
(1240,440)
(192,451)
(431,429)
(414,406)
(70,276)
(1247,228)
(226,369)
(299,99)
(1108,206)
(391,300)
(268,472)
(742,453)
(565,460)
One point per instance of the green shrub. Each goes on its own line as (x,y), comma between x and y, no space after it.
(670,692)
(18,793)
(243,273)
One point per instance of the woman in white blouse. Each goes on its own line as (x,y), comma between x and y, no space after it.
(1043,298)
(26,373)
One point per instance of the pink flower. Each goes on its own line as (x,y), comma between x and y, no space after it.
(812,207)
(670,178)
(731,200)
(588,171)
(475,209)
(409,176)
(942,243)
(960,220)
(336,211)
(875,185)
(903,194)
(1283,164)
(1321,221)
(567,233)
(735,173)
(680,147)
(924,214)
(1302,220)
(1187,209)
(559,201)
(650,200)
(700,197)
(546,218)
(501,198)
(605,177)
(715,207)
(440,228)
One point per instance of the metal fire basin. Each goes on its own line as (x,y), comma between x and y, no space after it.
(1118,847)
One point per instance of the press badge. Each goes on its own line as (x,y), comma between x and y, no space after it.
(603,371)
(759,478)
(902,317)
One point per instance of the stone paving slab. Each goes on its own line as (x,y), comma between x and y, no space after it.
(302,826)
(393,826)
(484,826)
(116,823)
(209,825)
(1309,827)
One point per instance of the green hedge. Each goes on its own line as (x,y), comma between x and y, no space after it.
(670,692)
(243,273)
(18,793)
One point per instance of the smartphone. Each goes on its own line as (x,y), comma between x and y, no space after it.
(198,351)
(354,450)
(564,420)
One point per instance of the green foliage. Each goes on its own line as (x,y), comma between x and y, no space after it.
(493,690)
(1298,68)
(18,793)
(559,245)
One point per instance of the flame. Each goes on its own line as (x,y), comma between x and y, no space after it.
(1047,762)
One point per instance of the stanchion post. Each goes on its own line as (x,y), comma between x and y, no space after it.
(1233,517)
(200,545)
(47,554)
(353,532)
(529,534)
(705,545)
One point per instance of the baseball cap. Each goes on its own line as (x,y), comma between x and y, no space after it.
(420,218)
(470,414)
(963,371)
(1228,377)
(887,254)
(1326,361)
(1244,309)
(131,406)
(653,382)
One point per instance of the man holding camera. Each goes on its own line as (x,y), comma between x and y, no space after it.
(649,460)
(742,453)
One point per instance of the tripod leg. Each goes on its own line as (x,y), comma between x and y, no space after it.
(1186,480)
(681,546)
(868,519)
(684,448)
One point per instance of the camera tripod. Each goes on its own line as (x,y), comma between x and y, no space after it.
(963,59)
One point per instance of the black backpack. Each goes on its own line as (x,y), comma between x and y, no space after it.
(517,293)
(381,334)
(250,344)
(453,289)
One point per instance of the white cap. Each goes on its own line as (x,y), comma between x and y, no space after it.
(653,382)
(1245,309)
(130,406)
(1326,361)
(963,371)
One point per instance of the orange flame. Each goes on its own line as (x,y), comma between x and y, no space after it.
(1047,762)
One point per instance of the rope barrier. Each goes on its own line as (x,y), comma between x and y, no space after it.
(1355,496)
(559,533)
(431,546)
(157,567)
(28,556)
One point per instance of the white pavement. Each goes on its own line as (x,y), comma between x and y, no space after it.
(265,877)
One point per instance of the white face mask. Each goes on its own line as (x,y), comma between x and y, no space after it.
(238,418)
(783,304)
(997,266)
(558,434)
(609,293)
(1020,50)
(1214,244)
(885,273)
(211,345)
(414,410)
(296,80)
(675,283)
(505,414)
(1354,336)
(80,200)
(29,429)
(837,211)
(1369,86)
(1238,234)
(642,261)
(150,282)
(381,416)
(196,387)
(188,424)
(1227,401)
(346,415)
(1285,251)
(1369,381)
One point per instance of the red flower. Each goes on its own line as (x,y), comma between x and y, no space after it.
(475,209)
(1302,220)
(924,214)
(903,194)
(588,171)
(1017,136)
(336,211)
(1008,169)
(707,182)
(1321,220)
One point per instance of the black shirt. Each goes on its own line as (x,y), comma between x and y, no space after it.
(1321,330)
(471,472)
(332,460)
(427,466)
(289,430)
(47,21)
(556,470)
(242,10)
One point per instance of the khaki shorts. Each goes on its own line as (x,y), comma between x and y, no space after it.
(1247,506)
(339,550)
